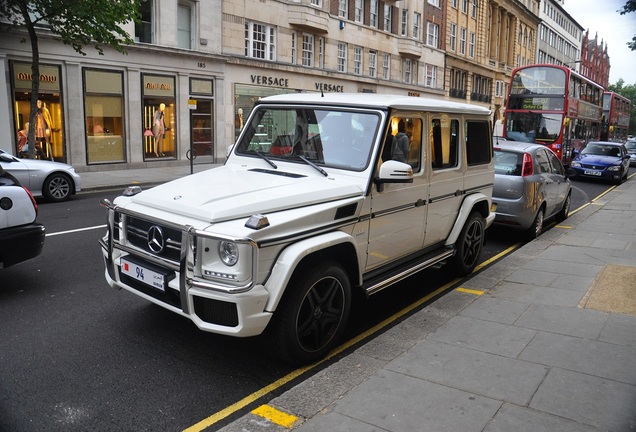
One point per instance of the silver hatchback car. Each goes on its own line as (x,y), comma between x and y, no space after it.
(531,186)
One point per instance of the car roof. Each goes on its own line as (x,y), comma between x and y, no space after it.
(518,146)
(612,143)
(375,100)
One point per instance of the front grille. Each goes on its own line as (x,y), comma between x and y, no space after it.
(137,231)
(216,311)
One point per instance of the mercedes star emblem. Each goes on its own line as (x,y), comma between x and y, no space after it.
(155,239)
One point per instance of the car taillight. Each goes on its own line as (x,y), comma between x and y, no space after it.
(527,168)
(35,205)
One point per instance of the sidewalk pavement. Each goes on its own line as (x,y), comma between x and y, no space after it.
(543,340)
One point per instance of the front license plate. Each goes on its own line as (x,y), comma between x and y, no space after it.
(594,173)
(143,274)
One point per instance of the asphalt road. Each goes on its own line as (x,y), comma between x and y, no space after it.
(76,355)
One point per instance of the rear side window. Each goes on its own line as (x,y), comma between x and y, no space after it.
(542,161)
(478,142)
(508,163)
(444,141)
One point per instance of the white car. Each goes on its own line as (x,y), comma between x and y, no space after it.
(307,213)
(21,238)
(54,181)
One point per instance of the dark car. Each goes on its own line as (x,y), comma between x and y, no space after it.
(630,145)
(21,238)
(602,160)
(531,186)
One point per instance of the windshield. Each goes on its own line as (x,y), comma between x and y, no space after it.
(630,145)
(533,127)
(601,150)
(339,139)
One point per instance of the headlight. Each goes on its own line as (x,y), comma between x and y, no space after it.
(614,168)
(576,165)
(229,253)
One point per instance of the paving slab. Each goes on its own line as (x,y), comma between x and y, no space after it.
(534,294)
(495,309)
(588,399)
(522,419)
(575,322)
(407,404)
(486,374)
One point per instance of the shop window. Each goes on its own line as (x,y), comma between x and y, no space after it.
(48,123)
(104,122)
(159,117)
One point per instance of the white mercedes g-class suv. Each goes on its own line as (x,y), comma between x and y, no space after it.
(308,207)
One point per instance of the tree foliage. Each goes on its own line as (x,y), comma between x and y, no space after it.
(628,91)
(629,7)
(78,23)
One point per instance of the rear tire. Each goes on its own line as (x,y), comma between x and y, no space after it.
(565,211)
(469,244)
(312,314)
(536,228)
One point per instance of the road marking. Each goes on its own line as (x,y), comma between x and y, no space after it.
(76,230)
(470,291)
(276,416)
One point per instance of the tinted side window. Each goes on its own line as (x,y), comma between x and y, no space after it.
(478,142)
(444,139)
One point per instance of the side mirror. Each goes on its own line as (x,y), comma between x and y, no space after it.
(393,172)
(6,157)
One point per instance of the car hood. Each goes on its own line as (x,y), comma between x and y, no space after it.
(591,159)
(227,193)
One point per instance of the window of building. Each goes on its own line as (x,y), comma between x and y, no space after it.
(342,57)
(343,8)
(308,50)
(417,23)
(202,119)
(316,3)
(321,52)
(471,45)
(143,28)
(49,128)
(160,127)
(431,76)
(462,40)
(465,6)
(373,13)
(357,60)
(434,2)
(453,37)
(294,44)
(260,41)
(386,66)
(359,10)
(444,139)
(432,35)
(184,26)
(373,63)
(409,67)
(454,4)
(405,22)
(104,122)
(388,13)
(473,13)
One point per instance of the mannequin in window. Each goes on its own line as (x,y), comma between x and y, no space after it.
(159,129)
(43,124)
(23,147)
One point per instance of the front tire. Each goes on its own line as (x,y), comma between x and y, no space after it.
(469,244)
(57,187)
(312,314)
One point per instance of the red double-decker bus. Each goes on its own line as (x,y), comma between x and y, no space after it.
(616,114)
(555,106)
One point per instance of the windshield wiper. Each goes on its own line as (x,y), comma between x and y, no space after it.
(265,158)
(308,162)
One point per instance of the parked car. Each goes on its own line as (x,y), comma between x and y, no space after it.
(21,238)
(602,160)
(54,181)
(531,186)
(630,145)
(279,239)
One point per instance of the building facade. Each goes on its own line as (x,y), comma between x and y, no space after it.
(197,68)
(595,62)
(560,36)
